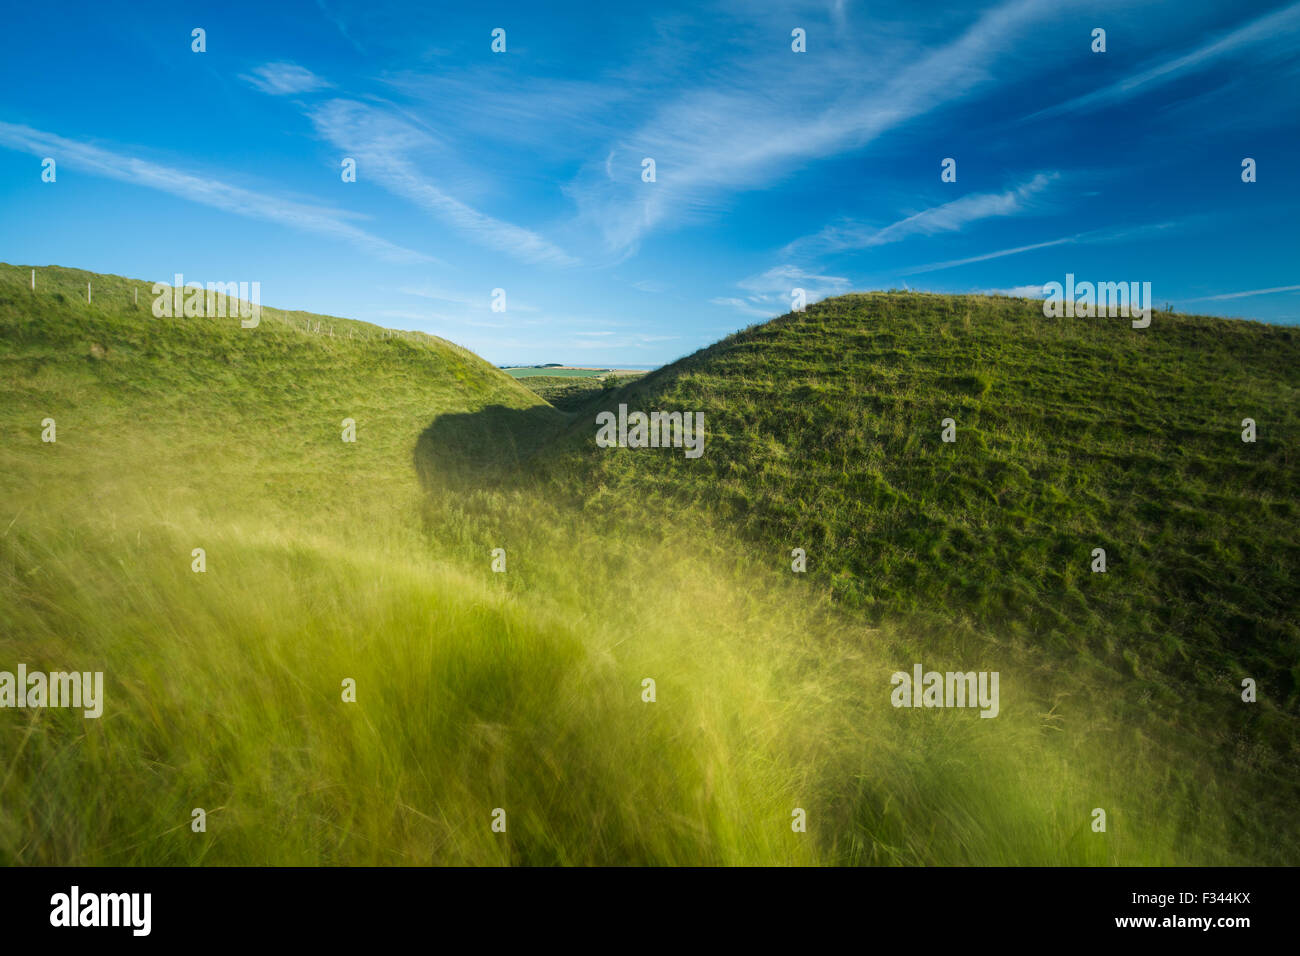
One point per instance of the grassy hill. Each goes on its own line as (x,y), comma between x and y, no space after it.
(272,399)
(824,432)
(525,690)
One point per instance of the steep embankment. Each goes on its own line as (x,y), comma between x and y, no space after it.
(247,413)
(824,432)
(199,532)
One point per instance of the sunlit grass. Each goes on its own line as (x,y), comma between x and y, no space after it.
(476,691)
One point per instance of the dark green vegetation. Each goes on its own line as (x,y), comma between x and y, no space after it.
(371,560)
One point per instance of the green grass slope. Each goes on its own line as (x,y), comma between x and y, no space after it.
(272,399)
(824,432)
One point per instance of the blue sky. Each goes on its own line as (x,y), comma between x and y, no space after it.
(774,169)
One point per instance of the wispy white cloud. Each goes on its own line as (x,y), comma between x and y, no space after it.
(770,293)
(780,280)
(465,300)
(382,143)
(600,341)
(280,79)
(1242,295)
(741,305)
(430,292)
(998,254)
(321,220)
(424,318)
(753,124)
(1265,29)
(558,116)
(949,217)
(1122,234)
(837,15)
(340,24)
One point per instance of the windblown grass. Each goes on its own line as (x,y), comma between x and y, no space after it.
(476,690)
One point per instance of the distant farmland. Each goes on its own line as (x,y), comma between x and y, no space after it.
(569,393)
(558,371)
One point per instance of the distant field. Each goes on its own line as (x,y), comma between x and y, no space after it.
(569,393)
(568,372)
